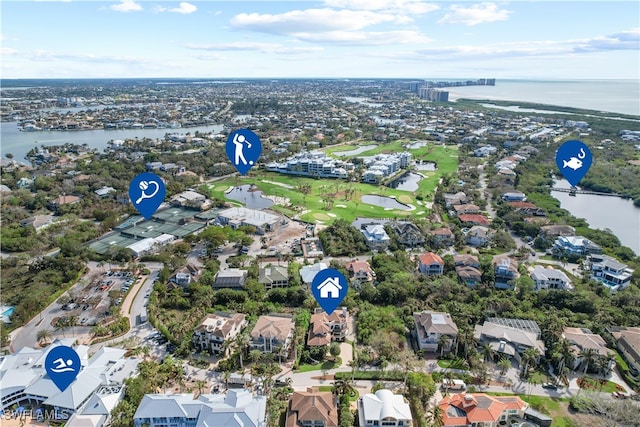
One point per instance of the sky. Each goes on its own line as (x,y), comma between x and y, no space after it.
(325,38)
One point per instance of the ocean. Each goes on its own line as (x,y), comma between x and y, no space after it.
(616,96)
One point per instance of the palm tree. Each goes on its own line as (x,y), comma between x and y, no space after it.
(588,356)
(255,355)
(43,336)
(487,352)
(504,364)
(242,341)
(438,416)
(443,341)
(529,358)
(466,338)
(200,385)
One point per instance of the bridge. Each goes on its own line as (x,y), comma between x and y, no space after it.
(574,191)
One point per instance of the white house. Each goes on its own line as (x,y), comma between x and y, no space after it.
(550,278)
(384,409)
(308,272)
(610,272)
(236,408)
(376,236)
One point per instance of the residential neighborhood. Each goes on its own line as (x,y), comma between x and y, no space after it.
(472,296)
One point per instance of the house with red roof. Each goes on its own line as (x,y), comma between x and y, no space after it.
(430,264)
(479,409)
(474,219)
(360,270)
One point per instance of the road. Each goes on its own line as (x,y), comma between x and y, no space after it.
(25,336)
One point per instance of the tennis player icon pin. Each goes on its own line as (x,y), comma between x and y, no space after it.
(147,192)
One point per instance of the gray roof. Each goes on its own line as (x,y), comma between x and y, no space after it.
(273,273)
(523,324)
(230,278)
(436,322)
(542,273)
(238,408)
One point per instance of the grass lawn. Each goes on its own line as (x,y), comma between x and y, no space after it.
(538,378)
(325,388)
(326,365)
(329,199)
(603,386)
(452,364)
(621,362)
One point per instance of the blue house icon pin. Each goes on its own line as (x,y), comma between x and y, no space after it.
(330,288)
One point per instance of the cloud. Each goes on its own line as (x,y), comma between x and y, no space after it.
(623,40)
(126,6)
(45,56)
(365,38)
(414,7)
(620,41)
(184,8)
(312,20)
(7,51)
(474,15)
(334,26)
(270,48)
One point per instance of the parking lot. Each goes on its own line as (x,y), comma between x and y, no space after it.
(92,303)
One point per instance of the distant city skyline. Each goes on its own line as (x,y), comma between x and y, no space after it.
(324,39)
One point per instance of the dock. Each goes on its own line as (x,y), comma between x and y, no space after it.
(574,191)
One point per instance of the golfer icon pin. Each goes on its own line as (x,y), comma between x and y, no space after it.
(147,192)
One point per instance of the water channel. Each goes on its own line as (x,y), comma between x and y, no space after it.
(19,143)
(604,212)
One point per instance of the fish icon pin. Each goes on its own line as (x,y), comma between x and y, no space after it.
(147,192)
(63,365)
(574,160)
(329,287)
(243,149)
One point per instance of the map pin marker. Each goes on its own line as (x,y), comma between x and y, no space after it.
(243,149)
(329,287)
(574,160)
(63,365)
(147,192)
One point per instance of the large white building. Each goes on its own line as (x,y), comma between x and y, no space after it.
(238,408)
(312,163)
(383,165)
(92,395)
(239,216)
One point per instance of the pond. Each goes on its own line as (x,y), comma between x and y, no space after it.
(252,199)
(415,145)
(426,166)
(384,202)
(356,151)
(407,182)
